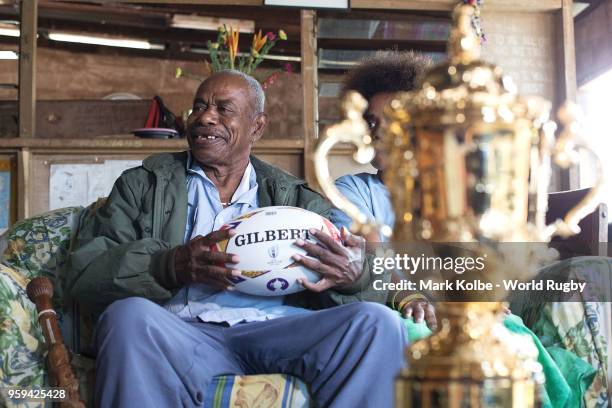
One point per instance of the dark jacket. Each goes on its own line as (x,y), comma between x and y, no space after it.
(123,249)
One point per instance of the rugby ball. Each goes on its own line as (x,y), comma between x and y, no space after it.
(265,243)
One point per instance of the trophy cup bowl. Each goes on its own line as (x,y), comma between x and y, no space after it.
(472,165)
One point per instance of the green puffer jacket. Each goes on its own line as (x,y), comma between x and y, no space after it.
(123,248)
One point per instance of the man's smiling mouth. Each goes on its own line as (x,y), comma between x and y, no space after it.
(203,137)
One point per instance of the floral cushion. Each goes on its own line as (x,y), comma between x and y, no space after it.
(575,326)
(39,246)
(32,247)
(21,341)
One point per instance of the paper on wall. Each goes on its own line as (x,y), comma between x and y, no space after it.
(82,184)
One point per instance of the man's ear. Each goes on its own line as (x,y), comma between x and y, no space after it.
(259,125)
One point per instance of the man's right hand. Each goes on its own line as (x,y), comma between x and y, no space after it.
(194,262)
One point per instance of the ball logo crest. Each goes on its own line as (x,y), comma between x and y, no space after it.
(277,283)
(273,251)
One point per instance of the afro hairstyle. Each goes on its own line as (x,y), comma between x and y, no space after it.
(386,71)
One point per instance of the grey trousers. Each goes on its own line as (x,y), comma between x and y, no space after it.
(148,357)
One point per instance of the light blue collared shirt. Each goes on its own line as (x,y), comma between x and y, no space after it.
(369,194)
(205,214)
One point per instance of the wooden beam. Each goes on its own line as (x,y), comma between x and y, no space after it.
(382,44)
(310,84)
(566,78)
(27,68)
(157,16)
(98,14)
(566,54)
(129,143)
(517,5)
(393,16)
(497,5)
(23,183)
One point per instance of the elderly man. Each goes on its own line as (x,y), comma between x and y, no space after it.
(148,247)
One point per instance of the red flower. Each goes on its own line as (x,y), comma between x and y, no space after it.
(271,36)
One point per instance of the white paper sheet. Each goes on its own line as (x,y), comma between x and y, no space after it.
(82,184)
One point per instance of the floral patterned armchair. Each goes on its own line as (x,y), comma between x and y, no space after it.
(39,246)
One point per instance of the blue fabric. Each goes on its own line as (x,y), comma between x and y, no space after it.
(369,194)
(205,213)
(147,356)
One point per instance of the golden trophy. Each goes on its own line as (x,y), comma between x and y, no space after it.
(471,164)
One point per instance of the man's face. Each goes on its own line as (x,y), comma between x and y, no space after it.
(223,124)
(375,118)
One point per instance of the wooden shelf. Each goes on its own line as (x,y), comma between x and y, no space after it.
(442,5)
(127,143)
(522,5)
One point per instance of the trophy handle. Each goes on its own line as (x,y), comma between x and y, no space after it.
(566,153)
(353,129)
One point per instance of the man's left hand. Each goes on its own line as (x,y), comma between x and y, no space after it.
(339,265)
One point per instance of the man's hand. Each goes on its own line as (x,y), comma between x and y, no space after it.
(339,265)
(419,309)
(194,262)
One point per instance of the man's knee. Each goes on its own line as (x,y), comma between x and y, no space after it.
(378,316)
(127,315)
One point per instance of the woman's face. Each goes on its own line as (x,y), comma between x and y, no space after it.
(375,119)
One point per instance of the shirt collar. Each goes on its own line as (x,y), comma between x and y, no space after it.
(248,183)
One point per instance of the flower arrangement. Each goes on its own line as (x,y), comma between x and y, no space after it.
(224,53)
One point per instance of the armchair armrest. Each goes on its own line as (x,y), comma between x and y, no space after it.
(40,291)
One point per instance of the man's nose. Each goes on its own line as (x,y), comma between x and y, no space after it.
(209,117)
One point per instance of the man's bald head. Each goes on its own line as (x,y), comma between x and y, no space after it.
(258,97)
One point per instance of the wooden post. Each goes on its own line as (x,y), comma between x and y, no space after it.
(23,183)
(567,86)
(27,68)
(310,85)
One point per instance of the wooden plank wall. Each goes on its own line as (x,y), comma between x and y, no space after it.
(63,75)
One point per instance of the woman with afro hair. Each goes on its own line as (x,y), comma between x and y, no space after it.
(378,78)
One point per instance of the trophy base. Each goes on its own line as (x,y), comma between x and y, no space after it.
(450,393)
(473,361)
